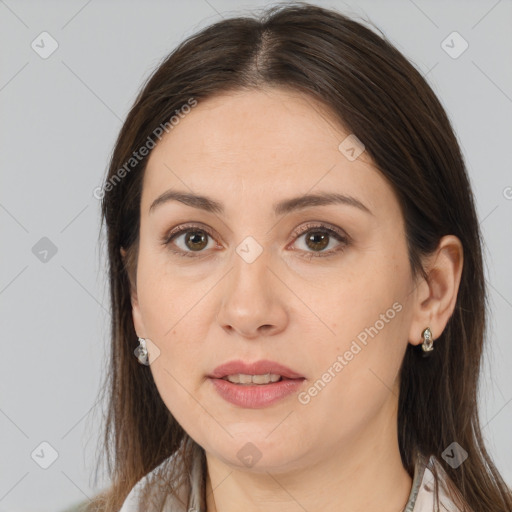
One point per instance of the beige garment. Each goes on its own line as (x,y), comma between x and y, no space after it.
(421,498)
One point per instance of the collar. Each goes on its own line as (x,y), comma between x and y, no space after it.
(192,492)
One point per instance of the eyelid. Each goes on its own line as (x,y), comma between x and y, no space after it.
(188,225)
(321,225)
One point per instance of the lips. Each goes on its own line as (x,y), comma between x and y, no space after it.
(256,368)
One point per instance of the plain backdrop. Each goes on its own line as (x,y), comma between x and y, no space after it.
(59,118)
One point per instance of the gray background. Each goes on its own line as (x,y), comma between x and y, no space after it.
(59,120)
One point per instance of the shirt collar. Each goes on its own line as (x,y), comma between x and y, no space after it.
(192,492)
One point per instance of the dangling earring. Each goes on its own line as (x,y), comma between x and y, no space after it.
(428,344)
(141,352)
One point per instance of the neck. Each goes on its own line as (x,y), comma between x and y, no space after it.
(365,474)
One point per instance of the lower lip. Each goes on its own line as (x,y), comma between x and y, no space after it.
(258,395)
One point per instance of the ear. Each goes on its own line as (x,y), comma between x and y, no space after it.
(136,313)
(435,299)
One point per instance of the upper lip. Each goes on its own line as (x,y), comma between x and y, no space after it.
(256,368)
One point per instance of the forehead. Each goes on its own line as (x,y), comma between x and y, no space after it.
(260,144)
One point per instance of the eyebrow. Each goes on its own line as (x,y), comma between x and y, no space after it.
(280,208)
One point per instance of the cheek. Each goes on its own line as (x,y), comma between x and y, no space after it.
(178,373)
(370,319)
(164,297)
(355,377)
(357,302)
(179,394)
(174,315)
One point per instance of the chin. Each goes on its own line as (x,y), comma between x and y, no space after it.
(255,451)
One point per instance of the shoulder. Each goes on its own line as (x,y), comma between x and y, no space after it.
(187,486)
(156,496)
(450,499)
(132,501)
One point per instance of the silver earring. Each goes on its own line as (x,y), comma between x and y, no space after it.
(141,352)
(428,344)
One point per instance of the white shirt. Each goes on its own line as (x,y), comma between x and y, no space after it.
(421,497)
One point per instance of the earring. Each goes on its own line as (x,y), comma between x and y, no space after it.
(141,352)
(428,344)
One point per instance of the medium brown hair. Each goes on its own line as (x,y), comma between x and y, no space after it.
(379,96)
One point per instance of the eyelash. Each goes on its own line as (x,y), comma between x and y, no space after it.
(338,235)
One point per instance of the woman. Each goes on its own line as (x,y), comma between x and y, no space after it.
(295,259)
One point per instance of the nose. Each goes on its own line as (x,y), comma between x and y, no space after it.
(253,299)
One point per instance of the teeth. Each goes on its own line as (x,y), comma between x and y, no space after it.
(242,378)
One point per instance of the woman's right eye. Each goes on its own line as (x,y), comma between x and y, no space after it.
(189,240)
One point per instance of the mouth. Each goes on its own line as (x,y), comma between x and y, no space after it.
(255,385)
(244,379)
(258,372)
(250,395)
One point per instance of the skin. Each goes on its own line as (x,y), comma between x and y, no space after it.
(338,452)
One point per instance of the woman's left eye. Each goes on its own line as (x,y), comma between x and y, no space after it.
(318,237)
(193,239)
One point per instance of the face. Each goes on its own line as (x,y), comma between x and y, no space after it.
(322,288)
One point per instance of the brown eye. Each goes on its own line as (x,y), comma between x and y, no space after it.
(196,240)
(188,240)
(317,237)
(317,240)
